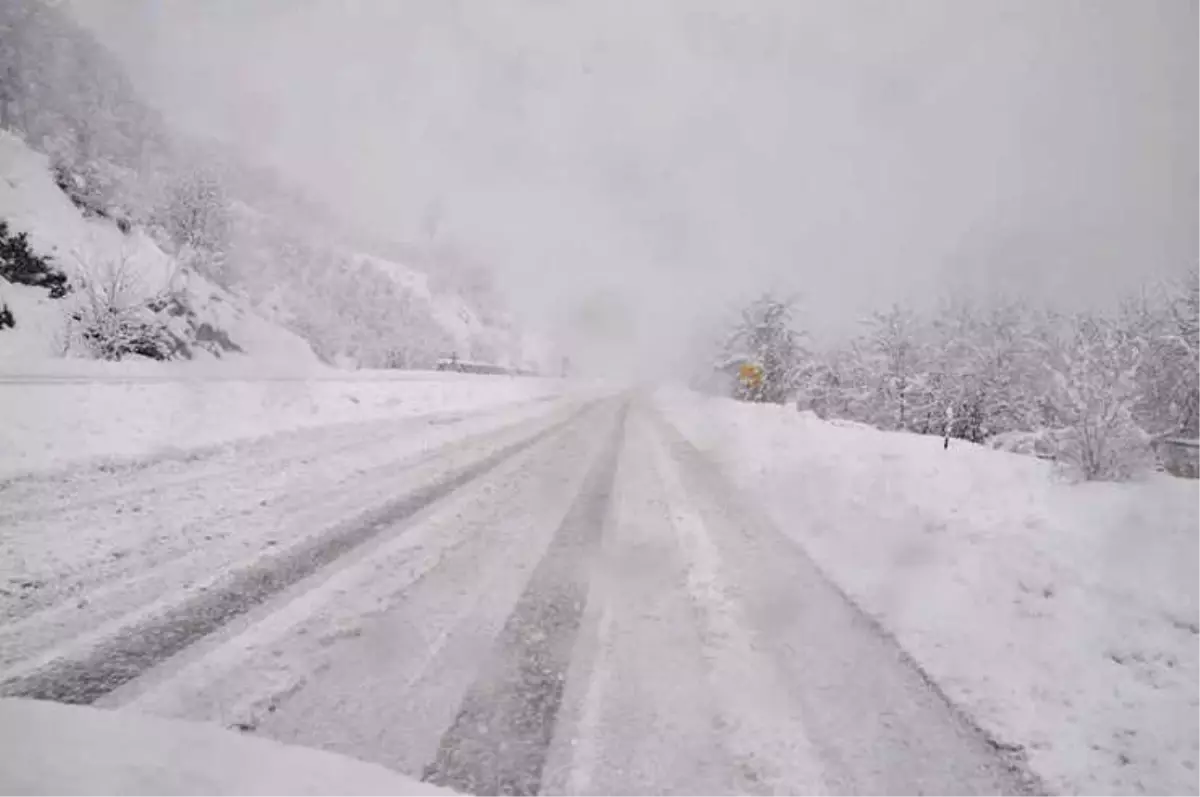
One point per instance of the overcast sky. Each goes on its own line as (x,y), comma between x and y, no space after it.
(614,159)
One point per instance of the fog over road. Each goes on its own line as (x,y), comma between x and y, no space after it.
(561,596)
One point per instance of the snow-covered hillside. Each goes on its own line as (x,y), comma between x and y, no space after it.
(452,314)
(361,309)
(216,323)
(288,295)
(257,246)
(1062,616)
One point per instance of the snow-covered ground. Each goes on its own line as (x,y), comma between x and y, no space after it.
(55,749)
(59,416)
(1062,616)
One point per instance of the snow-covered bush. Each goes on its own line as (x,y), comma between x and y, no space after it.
(1092,392)
(21,265)
(114,318)
(1043,443)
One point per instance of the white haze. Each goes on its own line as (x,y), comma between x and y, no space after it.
(628,169)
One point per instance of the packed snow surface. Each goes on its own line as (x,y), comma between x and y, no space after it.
(1062,616)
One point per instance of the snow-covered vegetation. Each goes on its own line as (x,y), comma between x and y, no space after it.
(155,226)
(1095,390)
(89,290)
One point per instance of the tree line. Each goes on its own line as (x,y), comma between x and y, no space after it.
(1094,389)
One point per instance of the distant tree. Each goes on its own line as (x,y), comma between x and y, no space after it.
(1181,355)
(10,73)
(979,364)
(901,387)
(764,337)
(195,217)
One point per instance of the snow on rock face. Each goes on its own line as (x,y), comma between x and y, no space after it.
(90,248)
(1062,616)
(51,748)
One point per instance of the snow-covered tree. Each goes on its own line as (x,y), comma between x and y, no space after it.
(902,388)
(1092,393)
(195,218)
(764,338)
(982,366)
(1185,313)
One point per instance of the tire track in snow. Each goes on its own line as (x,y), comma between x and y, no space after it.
(131,652)
(316,497)
(500,738)
(877,721)
(211,463)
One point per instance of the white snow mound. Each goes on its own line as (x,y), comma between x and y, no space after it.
(51,748)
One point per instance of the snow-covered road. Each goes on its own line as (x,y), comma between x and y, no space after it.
(558,596)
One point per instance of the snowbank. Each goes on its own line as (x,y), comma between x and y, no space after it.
(50,748)
(1062,616)
(62,416)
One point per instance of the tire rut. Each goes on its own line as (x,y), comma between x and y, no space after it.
(123,657)
(499,740)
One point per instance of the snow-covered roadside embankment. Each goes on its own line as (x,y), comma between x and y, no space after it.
(1061,616)
(127,413)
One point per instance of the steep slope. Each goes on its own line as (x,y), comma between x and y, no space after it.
(237,225)
(205,319)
